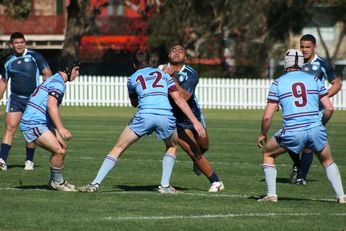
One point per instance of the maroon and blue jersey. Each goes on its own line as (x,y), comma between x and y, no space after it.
(24,72)
(36,111)
(298,94)
(151,86)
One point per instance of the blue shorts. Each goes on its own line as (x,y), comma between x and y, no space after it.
(187,124)
(32,134)
(16,103)
(145,124)
(314,138)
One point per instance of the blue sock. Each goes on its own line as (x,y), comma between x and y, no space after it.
(294,158)
(334,178)
(213,178)
(56,174)
(107,165)
(270,177)
(30,153)
(5,149)
(305,164)
(167,168)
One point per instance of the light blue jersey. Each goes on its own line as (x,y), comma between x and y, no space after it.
(151,86)
(298,94)
(36,113)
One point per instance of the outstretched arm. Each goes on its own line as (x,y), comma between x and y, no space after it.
(187,111)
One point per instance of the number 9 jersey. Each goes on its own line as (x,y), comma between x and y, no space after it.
(298,94)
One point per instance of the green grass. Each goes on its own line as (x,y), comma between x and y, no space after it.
(128,200)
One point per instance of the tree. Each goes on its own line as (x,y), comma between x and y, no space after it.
(209,28)
(81,18)
(18,9)
(336,11)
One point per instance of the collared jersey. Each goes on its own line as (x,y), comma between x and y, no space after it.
(36,111)
(320,68)
(298,94)
(24,72)
(151,86)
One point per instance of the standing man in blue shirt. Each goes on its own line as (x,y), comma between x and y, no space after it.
(148,91)
(23,67)
(41,122)
(300,96)
(321,69)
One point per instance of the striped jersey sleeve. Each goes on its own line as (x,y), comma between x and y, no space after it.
(273,95)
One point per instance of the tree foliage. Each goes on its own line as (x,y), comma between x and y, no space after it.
(81,20)
(248,28)
(18,9)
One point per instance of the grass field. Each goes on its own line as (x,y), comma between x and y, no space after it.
(128,199)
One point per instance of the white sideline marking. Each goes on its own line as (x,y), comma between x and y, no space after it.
(223,216)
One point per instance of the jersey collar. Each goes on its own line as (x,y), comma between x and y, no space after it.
(182,68)
(314,59)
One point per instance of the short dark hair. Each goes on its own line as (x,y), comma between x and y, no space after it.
(16,35)
(141,59)
(308,37)
(176,44)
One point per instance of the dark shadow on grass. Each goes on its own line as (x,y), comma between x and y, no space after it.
(33,187)
(289,199)
(146,188)
(285,181)
(19,166)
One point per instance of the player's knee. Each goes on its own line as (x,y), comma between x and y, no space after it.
(60,152)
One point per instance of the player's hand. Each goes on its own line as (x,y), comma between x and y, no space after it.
(65,134)
(200,129)
(168,69)
(262,139)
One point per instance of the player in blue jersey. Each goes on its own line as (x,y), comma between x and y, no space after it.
(299,95)
(23,68)
(41,122)
(186,79)
(148,91)
(321,68)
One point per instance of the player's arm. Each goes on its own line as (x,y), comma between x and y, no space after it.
(134,100)
(266,121)
(335,88)
(54,114)
(187,111)
(46,72)
(328,109)
(3,86)
(184,93)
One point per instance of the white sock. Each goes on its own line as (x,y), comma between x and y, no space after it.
(270,177)
(334,178)
(167,168)
(107,165)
